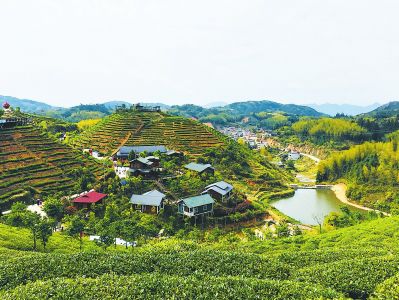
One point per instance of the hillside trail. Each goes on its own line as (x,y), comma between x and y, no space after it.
(130,134)
(312,157)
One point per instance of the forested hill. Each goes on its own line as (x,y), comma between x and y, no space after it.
(270,106)
(371,171)
(239,110)
(387,110)
(27,105)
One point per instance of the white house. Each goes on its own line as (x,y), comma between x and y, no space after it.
(294,155)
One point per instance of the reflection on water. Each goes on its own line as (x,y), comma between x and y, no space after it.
(308,203)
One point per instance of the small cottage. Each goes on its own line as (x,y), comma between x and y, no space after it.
(200,168)
(195,206)
(294,155)
(220,190)
(144,166)
(141,163)
(155,161)
(85,200)
(150,202)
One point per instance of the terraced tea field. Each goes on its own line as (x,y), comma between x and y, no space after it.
(134,128)
(176,133)
(30,159)
(111,132)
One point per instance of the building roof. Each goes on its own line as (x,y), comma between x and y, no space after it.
(142,171)
(198,200)
(151,198)
(220,187)
(221,184)
(171,152)
(152,157)
(143,160)
(125,150)
(90,197)
(198,167)
(155,193)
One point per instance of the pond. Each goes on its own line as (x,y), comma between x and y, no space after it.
(307,204)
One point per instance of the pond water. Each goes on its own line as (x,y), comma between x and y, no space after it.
(307,204)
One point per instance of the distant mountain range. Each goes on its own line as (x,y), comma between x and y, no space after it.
(248,107)
(244,107)
(27,105)
(347,109)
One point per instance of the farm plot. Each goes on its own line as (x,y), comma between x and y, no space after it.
(110,133)
(176,133)
(29,159)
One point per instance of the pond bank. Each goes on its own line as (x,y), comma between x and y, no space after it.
(340,192)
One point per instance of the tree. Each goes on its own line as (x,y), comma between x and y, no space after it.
(20,217)
(54,208)
(44,230)
(75,229)
(130,232)
(132,155)
(106,239)
(31,221)
(17,216)
(319,220)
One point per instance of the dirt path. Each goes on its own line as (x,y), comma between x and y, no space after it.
(340,191)
(314,158)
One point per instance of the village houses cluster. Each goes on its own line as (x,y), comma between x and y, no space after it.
(153,201)
(255,140)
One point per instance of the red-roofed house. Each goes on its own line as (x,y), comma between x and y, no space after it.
(86,199)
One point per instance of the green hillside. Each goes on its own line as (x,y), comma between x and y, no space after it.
(177,133)
(351,262)
(371,171)
(31,162)
(386,110)
(110,133)
(146,128)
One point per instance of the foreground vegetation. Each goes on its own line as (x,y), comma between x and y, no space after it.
(352,262)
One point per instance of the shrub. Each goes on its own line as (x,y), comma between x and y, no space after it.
(156,286)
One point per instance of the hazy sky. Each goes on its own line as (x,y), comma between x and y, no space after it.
(299,51)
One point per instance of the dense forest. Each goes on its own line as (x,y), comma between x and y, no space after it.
(326,129)
(371,170)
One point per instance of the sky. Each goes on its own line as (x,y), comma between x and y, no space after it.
(67,52)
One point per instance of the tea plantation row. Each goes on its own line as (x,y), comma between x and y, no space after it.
(354,277)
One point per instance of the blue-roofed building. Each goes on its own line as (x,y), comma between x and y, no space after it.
(195,206)
(200,168)
(219,190)
(151,202)
(124,151)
